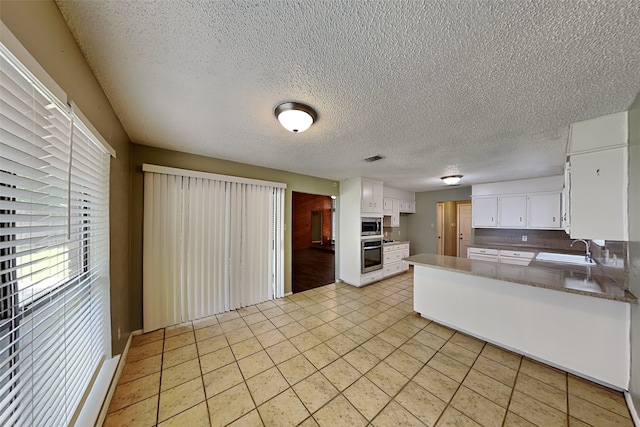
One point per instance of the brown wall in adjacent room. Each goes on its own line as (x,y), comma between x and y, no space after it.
(303,205)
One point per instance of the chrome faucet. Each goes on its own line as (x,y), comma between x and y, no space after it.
(587,256)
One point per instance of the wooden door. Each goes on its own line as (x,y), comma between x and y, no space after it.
(464,229)
(440,229)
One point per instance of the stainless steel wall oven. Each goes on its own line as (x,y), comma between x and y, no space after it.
(371,255)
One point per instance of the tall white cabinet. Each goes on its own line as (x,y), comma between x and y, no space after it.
(359,197)
(598,174)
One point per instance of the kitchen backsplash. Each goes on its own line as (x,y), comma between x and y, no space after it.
(612,256)
(552,240)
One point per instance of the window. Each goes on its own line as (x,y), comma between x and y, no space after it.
(54,258)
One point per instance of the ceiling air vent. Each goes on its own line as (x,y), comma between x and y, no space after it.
(374,158)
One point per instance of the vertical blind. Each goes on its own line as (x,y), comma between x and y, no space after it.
(211,244)
(54,253)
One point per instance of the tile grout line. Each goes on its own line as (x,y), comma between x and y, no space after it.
(566,380)
(204,389)
(164,333)
(460,385)
(513,389)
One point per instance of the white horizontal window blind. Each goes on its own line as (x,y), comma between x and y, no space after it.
(212,243)
(54,257)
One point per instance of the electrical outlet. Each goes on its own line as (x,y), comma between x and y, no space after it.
(524,238)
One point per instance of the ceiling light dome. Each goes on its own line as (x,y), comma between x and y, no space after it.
(295,117)
(451,179)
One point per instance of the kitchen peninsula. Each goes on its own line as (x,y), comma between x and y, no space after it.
(574,317)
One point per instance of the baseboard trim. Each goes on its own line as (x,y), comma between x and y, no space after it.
(288,293)
(116,377)
(632,408)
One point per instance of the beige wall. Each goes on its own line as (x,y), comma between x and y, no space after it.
(419,230)
(40,28)
(634,246)
(143,154)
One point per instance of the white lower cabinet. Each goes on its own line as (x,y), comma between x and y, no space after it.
(500,256)
(481,254)
(392,259)
(515,257)
(374,276)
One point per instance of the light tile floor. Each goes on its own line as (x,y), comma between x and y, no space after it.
(344,356)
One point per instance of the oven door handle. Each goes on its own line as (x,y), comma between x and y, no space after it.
(366,248)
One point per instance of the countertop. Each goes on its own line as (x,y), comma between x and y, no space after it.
(579,250)
(583,280)
(396,242)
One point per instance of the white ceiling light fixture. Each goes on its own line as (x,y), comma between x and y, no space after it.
(451,179)
(295,116)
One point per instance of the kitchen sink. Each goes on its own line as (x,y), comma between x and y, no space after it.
(563,258)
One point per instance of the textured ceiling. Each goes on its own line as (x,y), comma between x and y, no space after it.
(482,88)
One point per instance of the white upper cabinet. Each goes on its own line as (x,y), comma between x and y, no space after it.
(544,210)
(393,220)
(598,178)
(372,199)
(526,203)
(404,199)
(512,211)
(387,206)
(410,206)
(598,195)
(484,211)
(611,131)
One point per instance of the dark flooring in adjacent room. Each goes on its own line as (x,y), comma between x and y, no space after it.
(312,267)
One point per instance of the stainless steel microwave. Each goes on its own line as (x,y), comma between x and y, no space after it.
(371,227)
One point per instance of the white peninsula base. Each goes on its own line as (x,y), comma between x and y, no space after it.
(581,334)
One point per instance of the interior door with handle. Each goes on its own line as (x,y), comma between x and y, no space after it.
(440,230)
(464,229)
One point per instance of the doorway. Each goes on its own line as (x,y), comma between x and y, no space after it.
(313,254)
(454,226)
(464,228)
(316,227)
(440,223)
